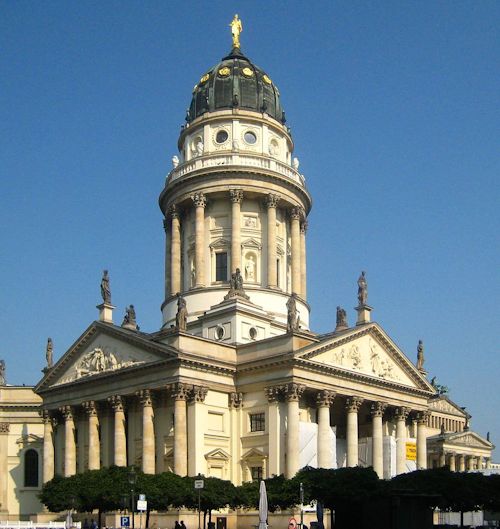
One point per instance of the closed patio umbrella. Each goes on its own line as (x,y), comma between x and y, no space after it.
(262,506)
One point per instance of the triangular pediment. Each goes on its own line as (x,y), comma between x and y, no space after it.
(366,351)
(218,454)
(101,350)
(254,453)
(220,243)
(251,243)
(467,438)
(443,404)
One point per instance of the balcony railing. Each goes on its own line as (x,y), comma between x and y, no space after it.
(235,160)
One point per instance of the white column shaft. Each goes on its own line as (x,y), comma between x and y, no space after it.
(235,235)
(148,439)
(175,254)
(180,437)
(94,445)
(272,280)
(295,228)
(48,451)
(352,438)
(199,245)
(378,446)
(400,446)
(69,447)
(292,438)
(421,445)
(324,450)
(303,274)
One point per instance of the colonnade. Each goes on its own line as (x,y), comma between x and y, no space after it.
(182,394)
(324,400)
(173,244)
(460,462)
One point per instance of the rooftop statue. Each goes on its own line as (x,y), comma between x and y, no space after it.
(3,380)
(182,313)
(49,352)
(420,356)
(362,290)
(236,286)
(341,318)
(105,289)
(129,319)
(236,29)
(293,318)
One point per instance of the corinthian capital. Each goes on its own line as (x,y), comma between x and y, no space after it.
(272,200)
(303,226)
(235,400)
(145,397)
(377,409)
(274,393)
(199,393)
(293,391)
(90,408)
(67,412)
(401,413)
(180,391)
(423,416)
(174,211)
(236,195)
(352,404)
(117,403)
(199,200)
(325,398)
(295,213)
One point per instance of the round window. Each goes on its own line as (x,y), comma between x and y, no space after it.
(221,136)
(253,333)
(250,137)
(219,333)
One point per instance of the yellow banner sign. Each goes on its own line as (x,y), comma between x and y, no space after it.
(411,451)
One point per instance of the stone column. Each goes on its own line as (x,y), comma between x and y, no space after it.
(48,447)
(69,442)
(451,462)
(180,393)
(295,233)
(377,413)
(4,466)
(352,406)
(422,418)
(479,462)
(275,447)
(236,196)
(488,462)
(470,463)
(272,276)
(148,431)
(175,251)
(461,463)
(120,442)
(200,202)
(303,274)
(235,405)
(324,401)
(196,424)
(442,459)
(168,258)
(401,414)
(292,394)
(94,448)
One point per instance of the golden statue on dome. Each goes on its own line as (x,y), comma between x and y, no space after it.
(236,29)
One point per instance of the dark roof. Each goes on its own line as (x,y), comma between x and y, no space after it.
(235,82)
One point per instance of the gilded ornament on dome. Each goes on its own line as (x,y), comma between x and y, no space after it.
(224,72)
(204,79)
(266,79)
(247,72)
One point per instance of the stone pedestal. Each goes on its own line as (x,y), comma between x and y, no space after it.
(105,312)
(363,314)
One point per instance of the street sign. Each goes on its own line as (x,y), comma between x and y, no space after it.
(142,505)
(125,521)
(142,497)
(199,483)
(292,523)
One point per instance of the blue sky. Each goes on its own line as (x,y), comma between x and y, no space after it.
(394,111)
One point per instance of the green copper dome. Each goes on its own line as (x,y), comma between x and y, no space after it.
(235,83)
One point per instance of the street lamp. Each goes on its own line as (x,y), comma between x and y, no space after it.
(132,479)
(301,491)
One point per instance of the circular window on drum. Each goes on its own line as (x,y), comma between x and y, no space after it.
(250,137)
(219,332)
(221,136)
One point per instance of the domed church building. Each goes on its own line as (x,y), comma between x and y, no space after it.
(235,384)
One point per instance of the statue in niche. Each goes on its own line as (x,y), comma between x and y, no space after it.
(362,290)
(199,147)
(49,352)
(420,356)
(182,313)
(105,288)
(250,268)
(293,318)
(236,286)
(3,380)
(374,358)
(341,318)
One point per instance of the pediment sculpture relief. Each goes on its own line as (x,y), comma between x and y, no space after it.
(97,361)
(371,360)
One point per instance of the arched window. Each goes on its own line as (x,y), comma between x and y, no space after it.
(31,468)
